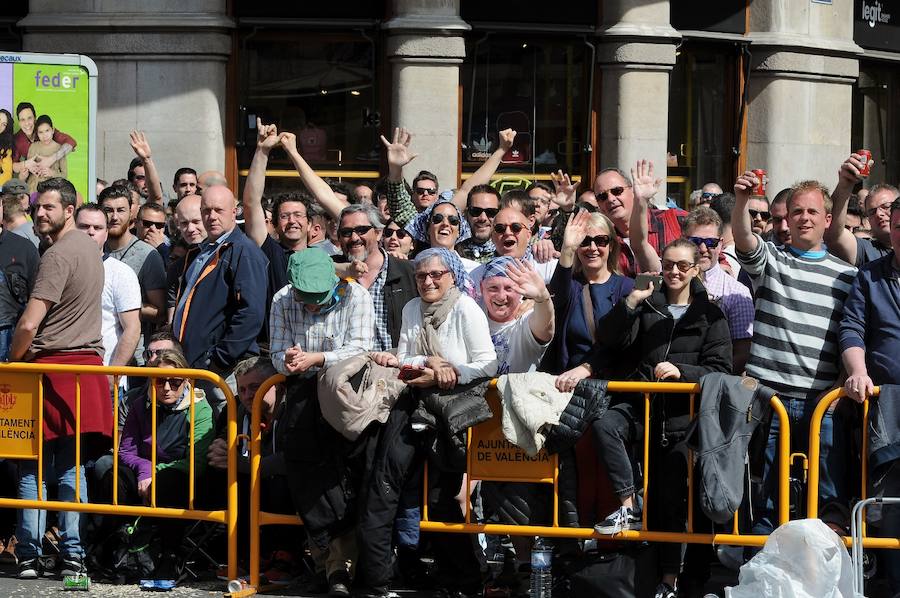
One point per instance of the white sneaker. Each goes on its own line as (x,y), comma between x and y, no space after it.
(619,520)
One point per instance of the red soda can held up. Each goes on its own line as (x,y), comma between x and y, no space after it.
(760,188)
(865,156)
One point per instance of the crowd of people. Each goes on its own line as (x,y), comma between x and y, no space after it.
(388,306)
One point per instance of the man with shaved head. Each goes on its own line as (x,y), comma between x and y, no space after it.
(221,296)
(192,233)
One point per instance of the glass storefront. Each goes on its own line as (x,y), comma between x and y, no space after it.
(540,88)
(876,118)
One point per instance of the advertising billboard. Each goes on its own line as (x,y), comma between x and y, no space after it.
(48,116)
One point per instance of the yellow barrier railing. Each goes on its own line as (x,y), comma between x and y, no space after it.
(646,389)
(35,372)
(815,432)
(258,517)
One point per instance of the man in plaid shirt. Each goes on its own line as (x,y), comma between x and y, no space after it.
(318,319)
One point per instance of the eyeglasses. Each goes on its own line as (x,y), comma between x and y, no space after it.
(599,241)
(476,212)
(710,242)
(292,216)
(709,195)
(885,207)
(172,382)
(150,223)
(425,191)
(515,227)
(434,275)
(617,191)
(682,265)
(438,218)
(754,214)
(400,232)
(347,232)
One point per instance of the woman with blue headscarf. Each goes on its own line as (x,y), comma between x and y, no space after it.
(442,225)
(444,335)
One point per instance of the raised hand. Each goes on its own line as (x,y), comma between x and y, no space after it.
(528,282)
(637,296)
(644,184)
(140,145)
(266,135)
(288,141)
(576,230)
(398,153)
(507,137)
(851,168)
(565,189)
(745,184)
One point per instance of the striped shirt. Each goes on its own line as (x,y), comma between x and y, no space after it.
(799,303)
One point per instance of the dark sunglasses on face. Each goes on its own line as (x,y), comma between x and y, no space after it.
(617,191)
(400,232)
(476,212)
(347,232)
(515,227)
(710,242)
(598,240)
(151,353)
(172,382)
(682,265)
(708,195)
(425,191)
(438,218)
(156,225)
(754,214)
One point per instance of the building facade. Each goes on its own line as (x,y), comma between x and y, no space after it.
(704,88)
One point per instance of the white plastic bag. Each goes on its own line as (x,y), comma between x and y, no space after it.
(801,559)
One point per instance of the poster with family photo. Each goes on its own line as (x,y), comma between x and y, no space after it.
(47,119)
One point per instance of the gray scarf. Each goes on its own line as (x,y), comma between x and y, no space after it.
(433,315)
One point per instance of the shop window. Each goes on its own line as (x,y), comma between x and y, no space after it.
(703,112)
(319,86)
(876,119)
(540,89)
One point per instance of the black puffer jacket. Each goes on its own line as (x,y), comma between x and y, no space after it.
(698,344)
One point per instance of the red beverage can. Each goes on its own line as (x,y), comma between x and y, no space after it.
(864,156)
(760,188)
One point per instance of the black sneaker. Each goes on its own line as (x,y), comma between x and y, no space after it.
(622,519)
(72,564)
(30,569)
(664,590)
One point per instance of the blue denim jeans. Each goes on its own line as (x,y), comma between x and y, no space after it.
(833,461)
(59,465)
(6,333)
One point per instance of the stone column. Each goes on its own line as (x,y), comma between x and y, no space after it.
(803,67)
(426,47)
(162,69)
(635,53)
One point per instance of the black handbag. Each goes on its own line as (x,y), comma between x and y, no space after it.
(628,572)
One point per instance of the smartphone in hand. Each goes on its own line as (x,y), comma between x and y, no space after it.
(642,281)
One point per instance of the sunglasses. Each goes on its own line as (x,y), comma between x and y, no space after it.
(476,212)
(617,191)
(156,225)
(151,353)
(172,382)
(434,275)
(682,265)
(599,241)
(710,242)
(438,218)
(400,232)
(754,214)
(347,232)
(425,191)
(515,227)
(707,195)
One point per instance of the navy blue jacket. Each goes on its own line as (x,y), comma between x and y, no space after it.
(871,319)
(226,309)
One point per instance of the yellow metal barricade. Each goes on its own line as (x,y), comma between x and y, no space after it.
(257,517)
(812,498)
(21,384)
(538,471)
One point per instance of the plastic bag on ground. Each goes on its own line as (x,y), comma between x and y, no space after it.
(801,559)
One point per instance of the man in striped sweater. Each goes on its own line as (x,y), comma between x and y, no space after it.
(800,292)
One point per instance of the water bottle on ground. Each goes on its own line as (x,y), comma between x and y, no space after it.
(541,573)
